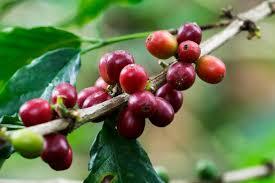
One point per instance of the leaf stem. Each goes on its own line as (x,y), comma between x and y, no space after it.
(113,40)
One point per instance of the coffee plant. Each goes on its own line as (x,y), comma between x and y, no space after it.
(40,106)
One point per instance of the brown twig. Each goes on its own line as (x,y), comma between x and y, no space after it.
(220,24)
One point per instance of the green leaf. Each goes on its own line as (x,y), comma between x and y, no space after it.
(129,1)
(19,46)
(90,9)
(119,160)
(11,122)
(6,5)
(1,162)
(6,150)
(39,78)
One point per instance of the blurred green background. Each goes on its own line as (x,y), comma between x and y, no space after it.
(232,124)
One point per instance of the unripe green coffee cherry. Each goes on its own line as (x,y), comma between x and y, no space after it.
(162,173)
(207,170)
(27,143)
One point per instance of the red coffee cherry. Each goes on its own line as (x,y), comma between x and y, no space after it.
(164,114)
(172,96)
(142,103)
(129,125)
(96,98)
(162,44)
(67,92)
(189,31)
(210,69)
(64,163)
(101,83)
(85,93)
(35,111)
(189,51)
(102,68)
(133,78)
(115,62)
(181,76)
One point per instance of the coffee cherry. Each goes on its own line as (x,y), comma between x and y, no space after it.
(85,93)
(172,96)
(133,78)
(63,163)
(207,170)
(27,143)
(162,44)
(67,92)
(142,103)
(181,76)
(114,62)
(129,125)
(56,147)
(210,69)
(35,111)
(164,114)
(101,83)
(189,31)
(189,51)
(96,98)
(102,68)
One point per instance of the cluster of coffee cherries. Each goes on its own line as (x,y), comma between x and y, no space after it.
(54,148)
(168,99)
(185,48)
(118,70)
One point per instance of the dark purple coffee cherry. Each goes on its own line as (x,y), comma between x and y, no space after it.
(181,76)
(85,93)
(142,103)
(164,114)
(191,32)
(56,147)
(96,98)
(129,125)
(114,63)
(64,163)
(172,96)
